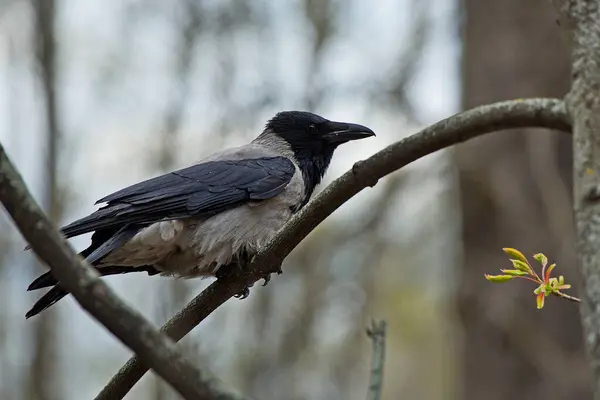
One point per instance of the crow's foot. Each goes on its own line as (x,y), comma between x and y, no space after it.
(243,294)
(267,279)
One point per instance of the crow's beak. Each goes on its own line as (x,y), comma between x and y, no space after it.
(342,132)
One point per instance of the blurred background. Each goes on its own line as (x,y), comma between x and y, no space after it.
(96,95)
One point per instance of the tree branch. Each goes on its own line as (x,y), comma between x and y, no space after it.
(544,113)
(155,348)
(580,20)
(377,334)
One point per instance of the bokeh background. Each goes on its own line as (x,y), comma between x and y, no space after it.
(96,95)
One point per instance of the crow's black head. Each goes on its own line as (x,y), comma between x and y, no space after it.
(310,133)
(313,140)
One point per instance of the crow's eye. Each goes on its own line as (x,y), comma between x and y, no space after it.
(312,129)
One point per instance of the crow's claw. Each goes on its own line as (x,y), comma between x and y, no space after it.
(267,279)
(243,294)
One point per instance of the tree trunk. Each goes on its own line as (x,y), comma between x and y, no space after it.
(581,20)
(515,192)
(44,381)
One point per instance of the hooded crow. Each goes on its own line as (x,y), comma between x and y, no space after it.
(212,216)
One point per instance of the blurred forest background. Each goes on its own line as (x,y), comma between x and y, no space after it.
(96,95)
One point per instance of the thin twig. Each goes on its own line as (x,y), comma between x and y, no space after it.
(567,297)
(377,334)
(542,113)
(155,348)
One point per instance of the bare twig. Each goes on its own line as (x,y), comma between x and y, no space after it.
(155,348)
(545,113)
(567,297)
(377,334)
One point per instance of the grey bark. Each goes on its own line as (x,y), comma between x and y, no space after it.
(547,113)
(581,21)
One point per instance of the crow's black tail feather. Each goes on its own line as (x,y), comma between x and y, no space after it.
(51,297)
(103,242)
(57,293)
(47,279)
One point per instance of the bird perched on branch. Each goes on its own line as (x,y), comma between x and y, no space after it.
(212,216)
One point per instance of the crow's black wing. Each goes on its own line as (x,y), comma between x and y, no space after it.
(199,190)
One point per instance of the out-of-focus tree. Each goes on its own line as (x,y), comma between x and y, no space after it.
(8,386)
(190,18)
(44,379)
(515,192)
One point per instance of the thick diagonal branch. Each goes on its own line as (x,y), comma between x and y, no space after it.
(153,347)
(543,113)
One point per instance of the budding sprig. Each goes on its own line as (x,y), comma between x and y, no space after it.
(522,269)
